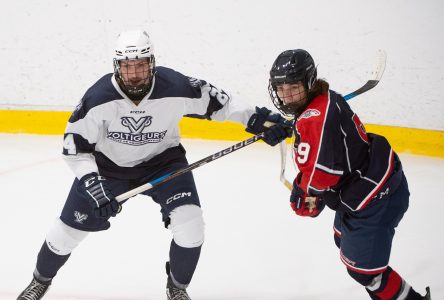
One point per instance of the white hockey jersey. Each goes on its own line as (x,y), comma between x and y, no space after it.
(109,134)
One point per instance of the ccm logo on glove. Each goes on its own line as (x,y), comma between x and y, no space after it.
(95,189)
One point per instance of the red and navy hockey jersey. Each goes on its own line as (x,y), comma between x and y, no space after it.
(336,156)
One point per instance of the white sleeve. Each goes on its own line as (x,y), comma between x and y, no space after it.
(234,110)
(80,137)
(81,164)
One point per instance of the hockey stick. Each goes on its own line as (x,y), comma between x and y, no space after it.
(203,161)
(283,179)
(376,76)
(147,186)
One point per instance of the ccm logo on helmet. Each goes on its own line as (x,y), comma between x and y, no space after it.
(130,51)
(178,196)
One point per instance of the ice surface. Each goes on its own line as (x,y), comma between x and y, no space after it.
(255,247)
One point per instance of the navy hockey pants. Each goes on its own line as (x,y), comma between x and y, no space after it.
(181,190)
(365,238)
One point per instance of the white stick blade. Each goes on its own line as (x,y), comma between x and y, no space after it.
(379,68)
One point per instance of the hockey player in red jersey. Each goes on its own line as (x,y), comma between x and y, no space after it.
(355,173)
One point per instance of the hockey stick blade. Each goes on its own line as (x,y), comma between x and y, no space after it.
(283,149)
(203,161)
(376,76)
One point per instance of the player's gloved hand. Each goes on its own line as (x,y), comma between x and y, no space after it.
(274,134)
(99,195)
(277,133)
(303,205)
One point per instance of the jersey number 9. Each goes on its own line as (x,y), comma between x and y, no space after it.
(302,153)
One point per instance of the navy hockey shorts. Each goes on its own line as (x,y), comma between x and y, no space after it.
(365,238)
(178,191)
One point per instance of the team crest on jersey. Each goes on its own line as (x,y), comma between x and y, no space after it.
(136,136)
(138,126)
(79,217)
(311,112)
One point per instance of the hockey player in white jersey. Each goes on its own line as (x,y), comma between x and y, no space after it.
(124,133)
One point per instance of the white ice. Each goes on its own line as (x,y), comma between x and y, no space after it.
(255,247)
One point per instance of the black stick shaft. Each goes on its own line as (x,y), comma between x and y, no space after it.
(193,166)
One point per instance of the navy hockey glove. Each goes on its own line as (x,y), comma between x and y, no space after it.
(96,190)
(276,133)
(303,205)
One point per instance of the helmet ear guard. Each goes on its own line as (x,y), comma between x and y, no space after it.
(291,66)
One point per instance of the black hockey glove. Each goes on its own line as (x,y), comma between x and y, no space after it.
(272,135)
(96,190)
(278,133)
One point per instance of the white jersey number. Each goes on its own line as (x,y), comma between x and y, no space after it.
(303,151)
(69,145)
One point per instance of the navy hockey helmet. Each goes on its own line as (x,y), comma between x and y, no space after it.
(291,66)
(134,63)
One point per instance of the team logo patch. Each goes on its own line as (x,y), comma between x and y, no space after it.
(360,128)
(138,126)
(79,217)
(195,82)
(309,113)
(136,136)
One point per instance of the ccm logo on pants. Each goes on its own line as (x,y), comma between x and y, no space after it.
(178,196)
